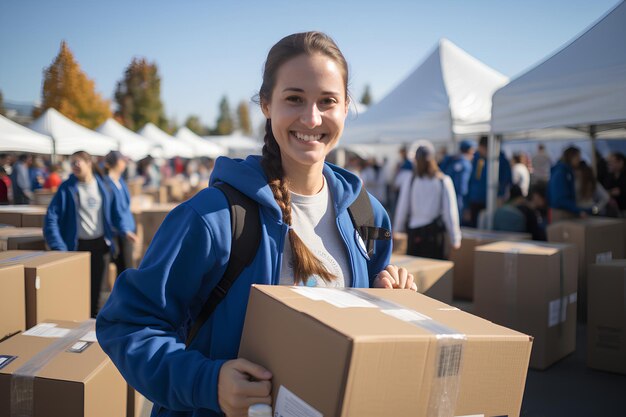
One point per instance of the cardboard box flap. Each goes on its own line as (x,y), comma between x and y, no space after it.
(9,232)
(23,209)
(524,248)
(366,321)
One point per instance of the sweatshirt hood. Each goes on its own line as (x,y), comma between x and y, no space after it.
(248,176)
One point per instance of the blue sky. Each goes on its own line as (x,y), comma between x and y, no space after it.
(207,49)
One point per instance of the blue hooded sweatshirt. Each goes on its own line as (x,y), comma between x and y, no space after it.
(477,188)
(562,189)
(144,323)
(60,227)
(121,207)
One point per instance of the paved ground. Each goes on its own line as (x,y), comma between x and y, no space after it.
(569,388)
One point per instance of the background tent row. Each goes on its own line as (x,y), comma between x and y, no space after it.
(581,88)
(54,134)
(447,96)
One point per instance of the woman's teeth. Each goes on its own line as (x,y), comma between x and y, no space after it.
(307,138)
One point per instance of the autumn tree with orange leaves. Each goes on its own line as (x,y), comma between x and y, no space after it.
(67,89)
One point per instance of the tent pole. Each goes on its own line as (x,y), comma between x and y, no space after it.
(493,165)
(594,159)
(53,157)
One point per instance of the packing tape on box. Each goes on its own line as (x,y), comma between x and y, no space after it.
(510,285)
(450,346)
(23,378)
(25,256)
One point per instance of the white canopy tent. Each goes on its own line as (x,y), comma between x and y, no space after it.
(132,145)
(200,146)
(171,146)
(237,145)
(448,95)
(17,138)
(581,87)
(69,137)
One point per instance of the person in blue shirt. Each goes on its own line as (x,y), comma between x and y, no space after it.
(125,237)
(562,188)
(459,169)
(476,199)
(144,323)
(80,218)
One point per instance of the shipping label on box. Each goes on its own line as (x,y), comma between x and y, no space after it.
(335,356)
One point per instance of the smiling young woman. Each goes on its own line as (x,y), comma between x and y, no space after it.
(307,238)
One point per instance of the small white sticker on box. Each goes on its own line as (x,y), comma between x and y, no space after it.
(90,336)
(557,311)
(573,297)
(290,405)
(46,330)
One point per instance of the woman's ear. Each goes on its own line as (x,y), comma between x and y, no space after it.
(265,108)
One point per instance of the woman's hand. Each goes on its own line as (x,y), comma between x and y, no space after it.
(242,383)
(394,277)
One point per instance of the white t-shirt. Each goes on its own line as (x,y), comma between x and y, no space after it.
(314,221)
(90,216)
(521,177)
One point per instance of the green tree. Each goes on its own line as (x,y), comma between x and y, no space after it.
(67,89)
(366,98)
(243,115)
(225,122)
(138,96)
(193,123)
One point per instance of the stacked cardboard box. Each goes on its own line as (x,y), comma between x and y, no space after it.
(379,353)
(463,257)
(399,243)
(57,284)
(43,197)
(27,238)
(433,277)
(74,378)
(151,219)
(12,300)
(22,216)
(597,239)
(530,287)
(606,326)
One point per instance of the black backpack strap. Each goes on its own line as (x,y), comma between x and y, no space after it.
(362,216)
(246,237)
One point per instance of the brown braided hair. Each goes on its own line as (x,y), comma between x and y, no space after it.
(305,263)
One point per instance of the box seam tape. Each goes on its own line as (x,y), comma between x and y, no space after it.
(450,346)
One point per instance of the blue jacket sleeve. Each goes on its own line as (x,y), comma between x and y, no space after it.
(52,219)
(382,248)
(140,325)
(505,176)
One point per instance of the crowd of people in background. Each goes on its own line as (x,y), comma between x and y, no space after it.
(21,175)
(533,190)
(428,194)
